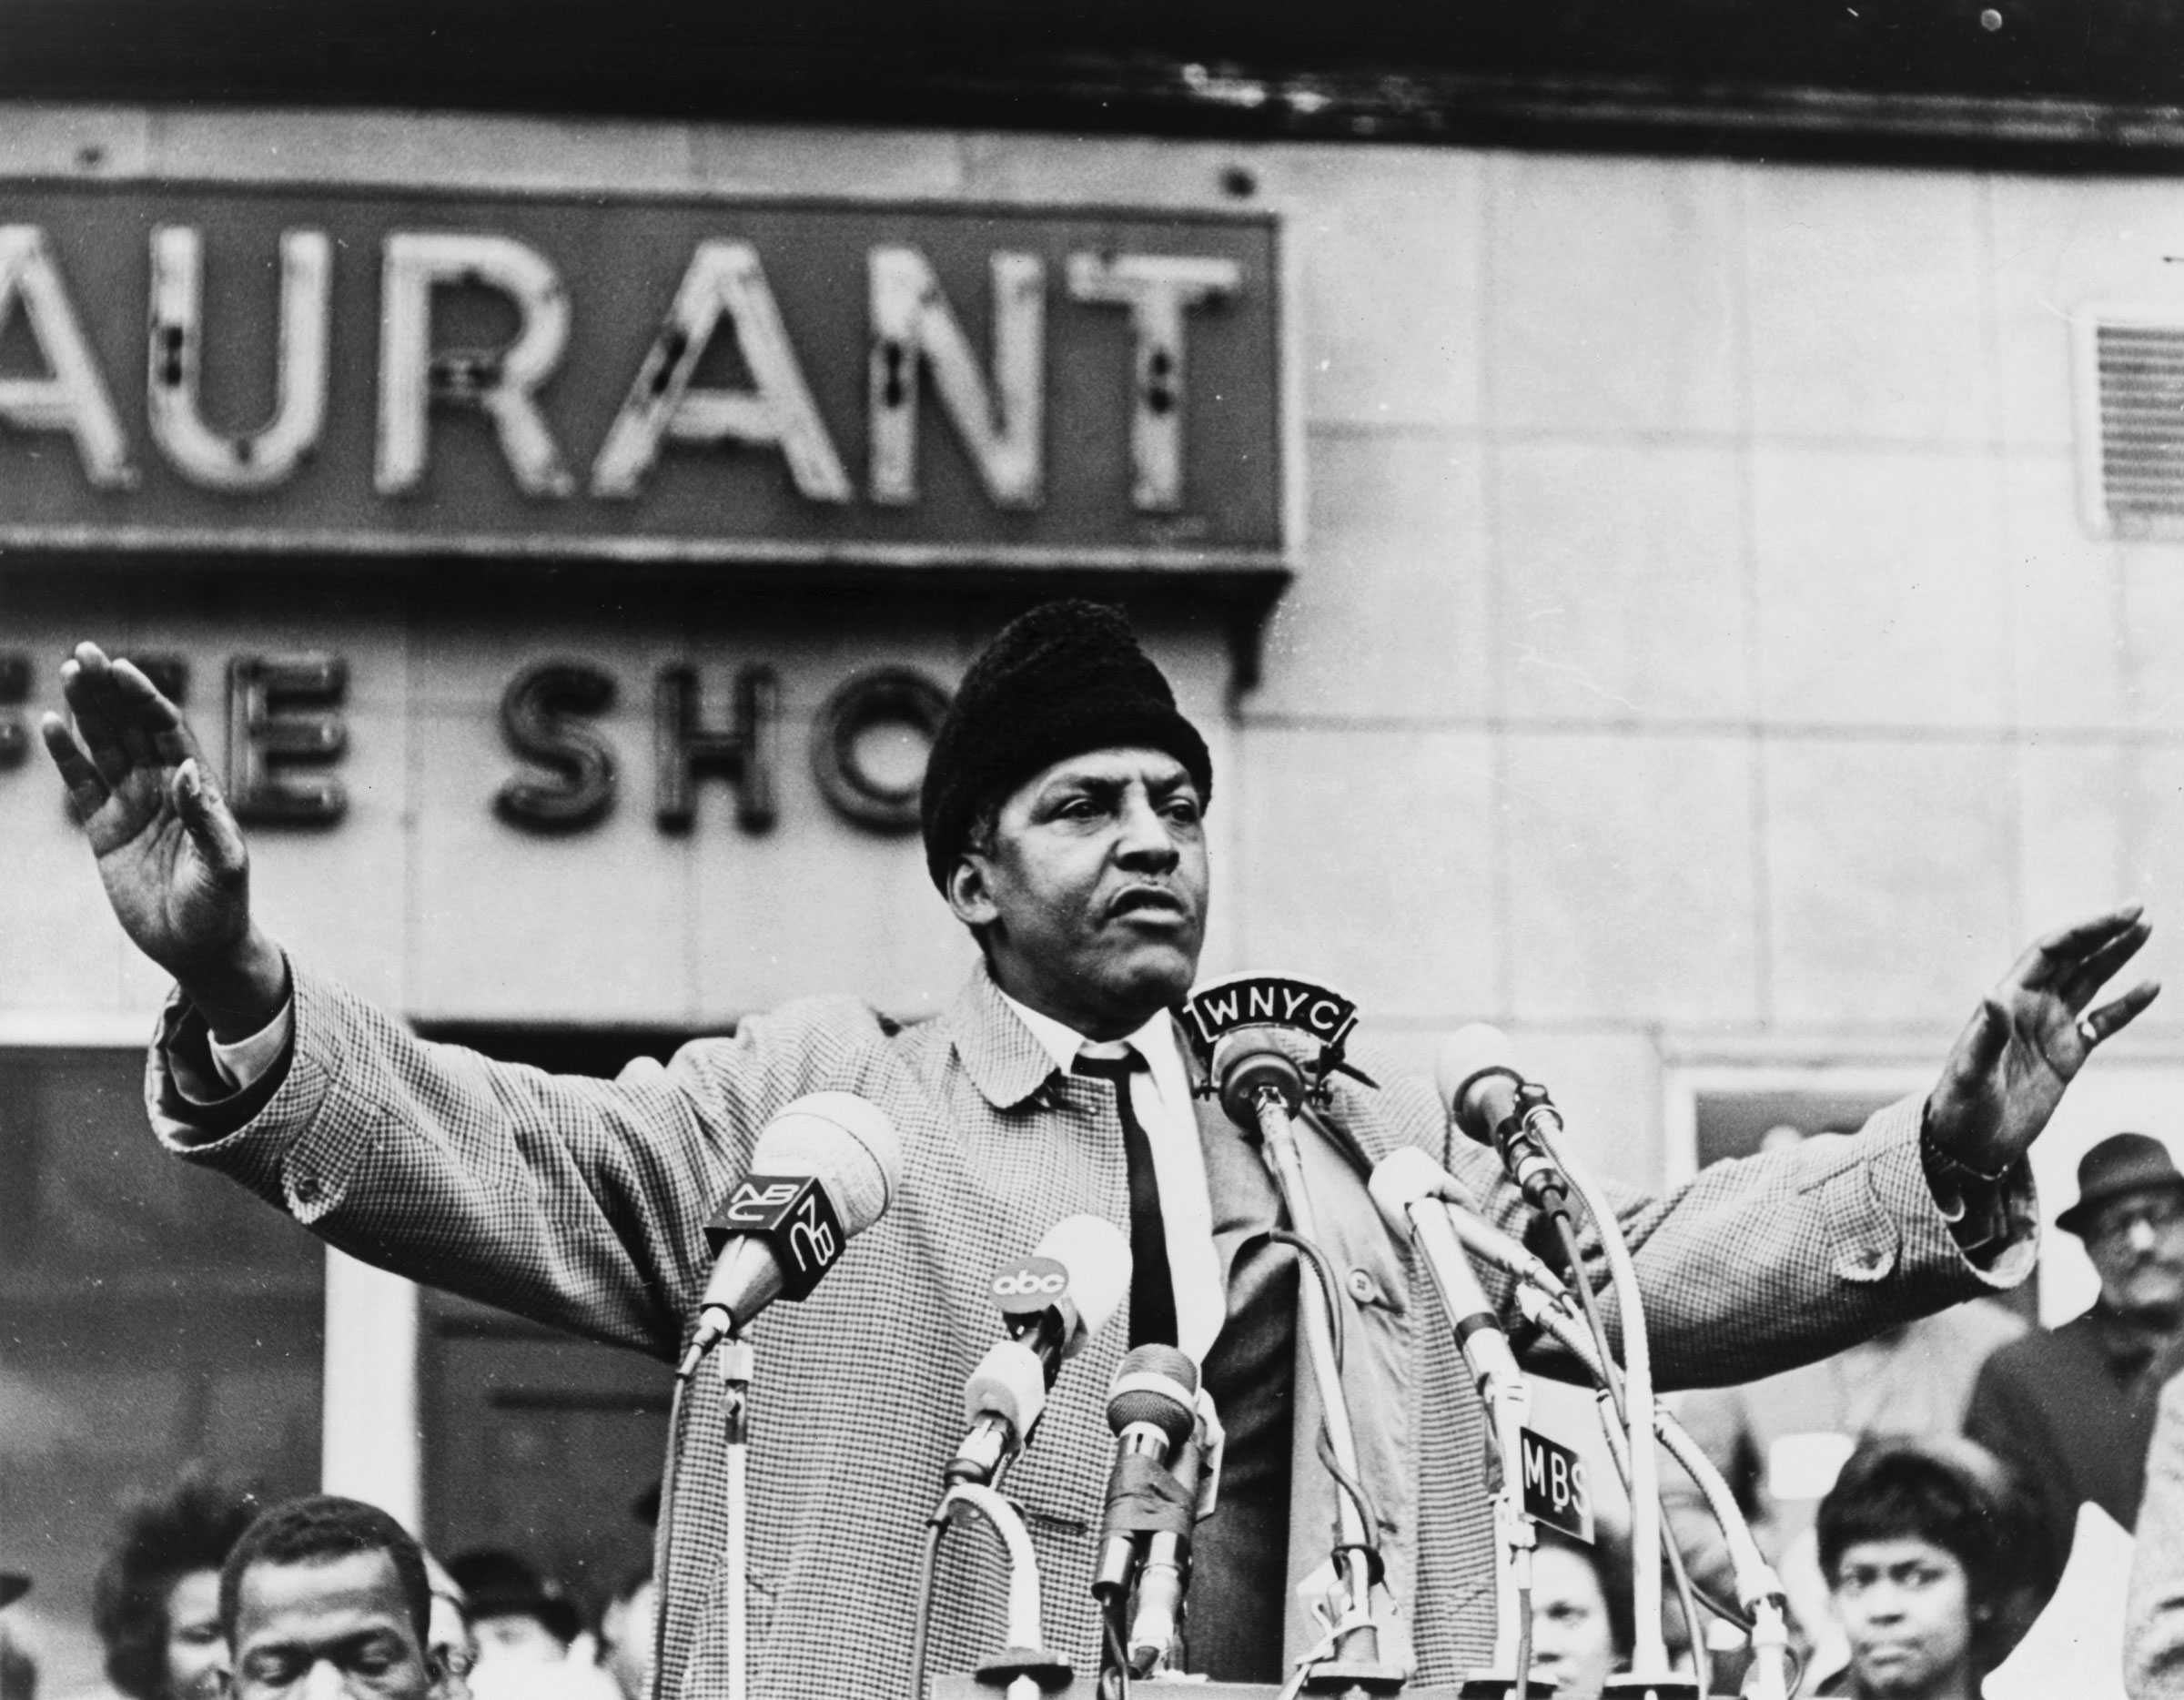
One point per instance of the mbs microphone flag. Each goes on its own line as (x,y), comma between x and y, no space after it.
(793,1216)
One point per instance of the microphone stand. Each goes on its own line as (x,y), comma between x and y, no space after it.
(1508,1401)
(737,1361)
(1023,1667)
(1268,1088)
(1649,1657)
(1528,1141)
(1759,1589)
(1507,1397)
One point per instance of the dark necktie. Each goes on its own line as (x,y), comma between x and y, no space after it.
(1152,1292)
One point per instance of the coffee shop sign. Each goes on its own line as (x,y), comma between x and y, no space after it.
(286,734)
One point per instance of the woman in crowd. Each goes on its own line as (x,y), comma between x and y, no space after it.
(157,1602)
(1927,1544)
(1581,1613)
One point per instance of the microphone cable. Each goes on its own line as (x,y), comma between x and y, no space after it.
(1689,1594)
(1119,1656)
(1330,1285)
(677,1412)
(921,1634)
(1523,1685)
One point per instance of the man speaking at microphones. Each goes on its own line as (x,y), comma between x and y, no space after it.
(1063,822)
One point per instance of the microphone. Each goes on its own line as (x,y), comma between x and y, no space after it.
(1166,1572)
(1406,1175)
(1152,1406)
(1410,1189)
(824,1170)
(1263,1090)
(1246,1064)
(1496,1106)
(1051,1303)
(1246,1068)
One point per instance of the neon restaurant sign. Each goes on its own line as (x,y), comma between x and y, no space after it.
(224,369)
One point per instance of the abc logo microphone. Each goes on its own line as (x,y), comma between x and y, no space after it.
(1030,1286)
(1051,1303)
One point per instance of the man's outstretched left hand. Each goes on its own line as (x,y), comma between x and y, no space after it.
(2029,1038)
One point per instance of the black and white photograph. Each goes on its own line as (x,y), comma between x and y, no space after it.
(953,851)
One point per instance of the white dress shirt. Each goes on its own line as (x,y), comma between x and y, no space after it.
(248,1060)
(1161,1093)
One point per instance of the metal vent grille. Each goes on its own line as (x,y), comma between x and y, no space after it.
(2132,422)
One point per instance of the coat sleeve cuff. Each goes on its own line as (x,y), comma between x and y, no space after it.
(274,1135)
(1990,1229)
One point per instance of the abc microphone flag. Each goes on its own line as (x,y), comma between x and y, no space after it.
(1029,1287)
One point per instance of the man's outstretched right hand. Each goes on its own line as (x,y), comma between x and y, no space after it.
(169,847)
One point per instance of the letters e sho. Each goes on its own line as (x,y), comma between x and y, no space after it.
(286,734)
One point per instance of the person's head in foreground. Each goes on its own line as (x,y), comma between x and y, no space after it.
(516,1613)
(625,1633)
(1062,812)
(327,1597)
(2130,1214)
(1581,1613)
(19,1669)
(451,1637)
(1924,1543)
(156,1602)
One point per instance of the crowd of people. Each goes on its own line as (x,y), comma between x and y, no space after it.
(1920,1493)
(2026,1432)
(207,1592)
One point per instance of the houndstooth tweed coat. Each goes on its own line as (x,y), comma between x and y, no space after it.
(580,1202)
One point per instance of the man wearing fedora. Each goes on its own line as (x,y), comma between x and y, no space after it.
(2074,1407)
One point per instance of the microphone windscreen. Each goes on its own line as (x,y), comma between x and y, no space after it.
(1248,1060)
(1406,1176)
(1097,1257)
(1470,1052)
(1009,1383)
(846,1141)
(1156,1385)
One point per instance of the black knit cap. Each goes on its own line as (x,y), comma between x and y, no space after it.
(1065,678)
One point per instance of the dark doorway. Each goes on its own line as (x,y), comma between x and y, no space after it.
(535,1441)
(151,1316)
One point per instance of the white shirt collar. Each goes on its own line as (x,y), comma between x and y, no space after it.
(1155,1041)
(1161,1099)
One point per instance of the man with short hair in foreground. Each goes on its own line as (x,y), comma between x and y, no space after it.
(324,1597)
(1063,809)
